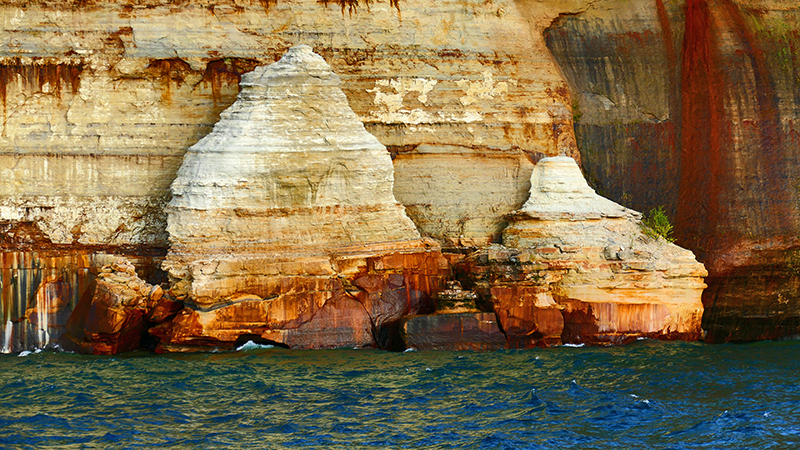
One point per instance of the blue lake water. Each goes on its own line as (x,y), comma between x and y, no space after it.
(660,395)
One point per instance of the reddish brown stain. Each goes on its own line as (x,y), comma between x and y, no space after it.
(773,204)
(703,168)
(351,6)
(169,70)
(35,75)
(226,71)
(718,50)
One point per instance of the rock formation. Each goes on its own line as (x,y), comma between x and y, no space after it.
(283,223)
(691,105)
(99,102)
(577,268)
(456,325)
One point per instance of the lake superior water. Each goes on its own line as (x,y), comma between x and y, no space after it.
(660,395)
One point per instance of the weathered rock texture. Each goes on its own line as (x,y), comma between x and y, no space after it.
(99,102)
(453,332)
(111,316)
(283,222)
(693,105)
(456,325)
(41,290)
(577,268)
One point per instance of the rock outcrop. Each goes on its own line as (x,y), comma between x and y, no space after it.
(283,223)
(691,105)
(113,315)
(99,102)
(456,325)
(577,268)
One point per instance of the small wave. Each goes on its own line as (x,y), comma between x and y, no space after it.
(574,345)
(409,349)
(25,353)
(250,345)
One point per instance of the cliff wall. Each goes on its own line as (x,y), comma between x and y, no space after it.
(694,105)
(100,99)
(687,104)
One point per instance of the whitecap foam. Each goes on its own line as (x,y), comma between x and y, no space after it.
(409,349)
(250,345)
(574,345)
(25,353)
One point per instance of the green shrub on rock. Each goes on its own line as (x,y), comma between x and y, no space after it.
(656,224)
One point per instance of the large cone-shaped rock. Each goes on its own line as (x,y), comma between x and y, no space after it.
(280,209)
(577,267)
(289,164)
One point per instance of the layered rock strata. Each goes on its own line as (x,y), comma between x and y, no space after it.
(283,223)
(42,289)
(693,105)
(577,268)
(99,102)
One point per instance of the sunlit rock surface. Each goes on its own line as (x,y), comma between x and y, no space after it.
(100,101)
(577,268)
(283,222)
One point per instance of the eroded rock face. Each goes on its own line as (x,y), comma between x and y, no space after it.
(453,332)
(100,102)
(283,222)
(112,316)
(577,268)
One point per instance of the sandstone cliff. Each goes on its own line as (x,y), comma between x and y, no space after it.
(101,99)
(693,105)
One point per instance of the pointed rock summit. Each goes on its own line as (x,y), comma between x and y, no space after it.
(559,191)
(284,226)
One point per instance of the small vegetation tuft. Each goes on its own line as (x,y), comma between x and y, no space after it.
(656,224)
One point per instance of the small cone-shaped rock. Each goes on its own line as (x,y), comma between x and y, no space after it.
(280,210)
(579,268)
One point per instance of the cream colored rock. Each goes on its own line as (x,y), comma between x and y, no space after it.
(288,177)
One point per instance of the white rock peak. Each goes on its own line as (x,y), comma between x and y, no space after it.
(559,190)
(288,164)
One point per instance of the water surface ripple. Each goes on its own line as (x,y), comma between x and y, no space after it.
(656,395)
